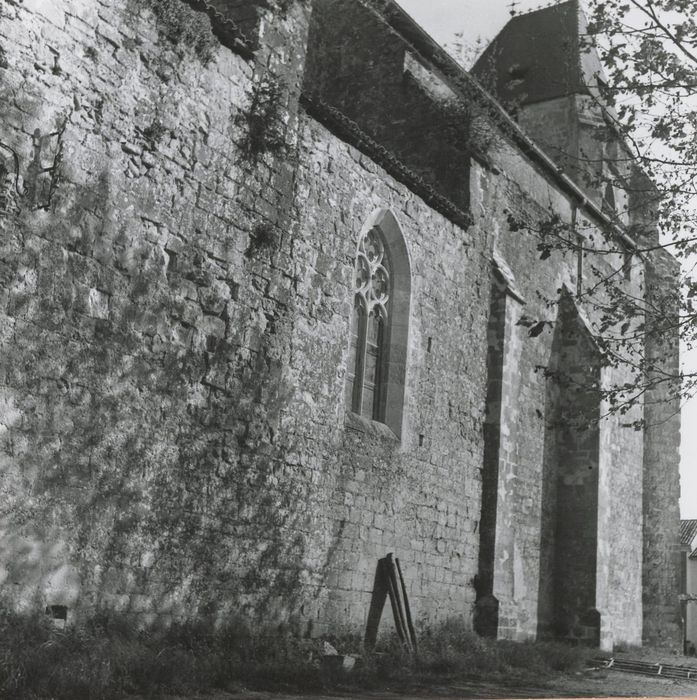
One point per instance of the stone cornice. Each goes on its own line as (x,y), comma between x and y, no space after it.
(224,28)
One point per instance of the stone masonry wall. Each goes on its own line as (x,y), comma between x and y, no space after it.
(366,70)
(175,310)
(572,422)
(144,321)
(501,444)
(176,292)
(661,456)
(516,187)
(661,551)
(419,498)
(553,126)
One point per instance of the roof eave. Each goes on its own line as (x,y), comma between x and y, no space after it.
(429,49)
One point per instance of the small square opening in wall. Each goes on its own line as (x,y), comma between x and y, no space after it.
(421,440)
(59,615)
(172,262)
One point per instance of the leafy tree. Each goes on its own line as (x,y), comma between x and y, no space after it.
(645,88)
(648,49)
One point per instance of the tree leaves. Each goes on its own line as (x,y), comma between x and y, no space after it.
(535,327)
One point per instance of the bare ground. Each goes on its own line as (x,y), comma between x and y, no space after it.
(587,684)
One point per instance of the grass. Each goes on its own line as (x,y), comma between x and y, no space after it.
(107,658)
(452,651)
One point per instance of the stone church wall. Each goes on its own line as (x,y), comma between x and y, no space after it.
(177,287)
(144,324)
(526,495)
(174,439)
(662,451)
(419,498)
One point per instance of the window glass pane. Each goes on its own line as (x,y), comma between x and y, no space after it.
(372,288)
(371,364)
(355,326)
(380,283)
(374,326)
(368,401)
(373,360)
(353,368)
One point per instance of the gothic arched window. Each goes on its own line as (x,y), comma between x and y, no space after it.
(369,327)
(379,325)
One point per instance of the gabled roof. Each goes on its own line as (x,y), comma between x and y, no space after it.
(688,531)
(536,56)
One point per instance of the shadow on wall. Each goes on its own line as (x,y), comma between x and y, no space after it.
(569,537)
(141,466)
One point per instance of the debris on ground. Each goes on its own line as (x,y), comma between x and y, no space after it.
(647,668)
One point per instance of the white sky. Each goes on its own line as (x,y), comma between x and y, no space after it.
(443,19)
(475,18)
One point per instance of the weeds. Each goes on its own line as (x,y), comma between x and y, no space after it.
(154,133)
(454,650)
(262,238)
(183,25)
(108,657)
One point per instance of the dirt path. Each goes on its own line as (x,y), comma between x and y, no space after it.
(589,684)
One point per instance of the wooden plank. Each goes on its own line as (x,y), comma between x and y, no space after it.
(410,624)
(377,604)
(389,582)
(395,601)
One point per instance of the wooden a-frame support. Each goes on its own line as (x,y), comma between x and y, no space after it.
(389,581)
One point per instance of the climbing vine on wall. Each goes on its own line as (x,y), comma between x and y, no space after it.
(264,120)
(463,126)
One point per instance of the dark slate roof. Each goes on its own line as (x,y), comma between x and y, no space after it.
(535,57)
(470,87)
(688,530)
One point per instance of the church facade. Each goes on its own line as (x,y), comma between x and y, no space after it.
(285,289)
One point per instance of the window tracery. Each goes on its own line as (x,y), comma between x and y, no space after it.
(376,374)
(369,328)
